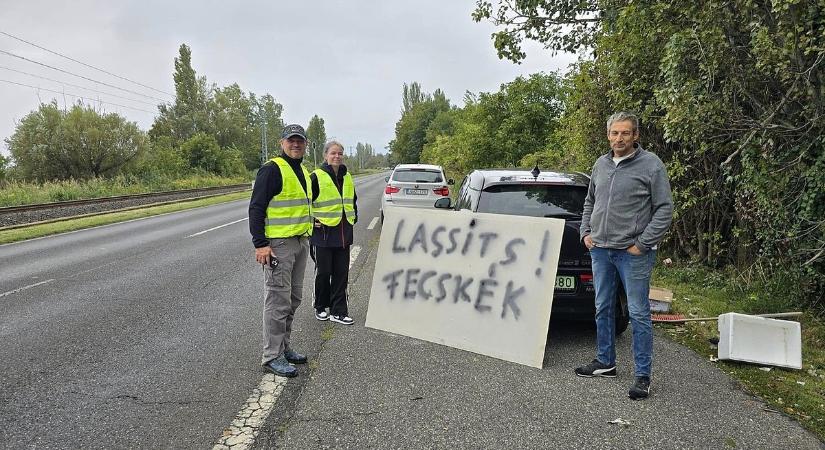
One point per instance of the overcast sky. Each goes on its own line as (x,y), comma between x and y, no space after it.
(343,60)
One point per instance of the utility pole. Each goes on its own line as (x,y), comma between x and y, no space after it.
(314,163)
(264,146)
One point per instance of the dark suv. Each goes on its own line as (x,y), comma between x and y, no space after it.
(521,192)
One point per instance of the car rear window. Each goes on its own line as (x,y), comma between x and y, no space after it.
(537,200)
(417,176)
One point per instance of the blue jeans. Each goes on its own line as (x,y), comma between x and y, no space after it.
(610,266)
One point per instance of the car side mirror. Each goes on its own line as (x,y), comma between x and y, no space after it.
(451,182)
(443,203)
(386,179)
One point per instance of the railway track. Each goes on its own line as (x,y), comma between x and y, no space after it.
(15,216)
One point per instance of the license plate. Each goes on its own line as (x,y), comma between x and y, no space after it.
(565,283)
(415,191)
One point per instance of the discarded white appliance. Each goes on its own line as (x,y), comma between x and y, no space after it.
(760,340)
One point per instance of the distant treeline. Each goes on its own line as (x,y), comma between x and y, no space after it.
(206,130)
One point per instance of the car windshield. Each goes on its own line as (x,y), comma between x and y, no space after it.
(537,200)
(417,176)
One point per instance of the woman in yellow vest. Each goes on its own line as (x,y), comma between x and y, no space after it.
(334,211)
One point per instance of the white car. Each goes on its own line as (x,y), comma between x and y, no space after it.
(415,186)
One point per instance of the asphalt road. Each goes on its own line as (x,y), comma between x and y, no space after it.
(141,335)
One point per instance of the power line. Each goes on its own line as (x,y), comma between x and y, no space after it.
(76,96)
(84,64)
(81,76)
(77,86)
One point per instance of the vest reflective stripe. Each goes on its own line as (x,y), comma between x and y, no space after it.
(330,206)
(317,204)
(288,221)
(326,215)
(288,213)
(281,203)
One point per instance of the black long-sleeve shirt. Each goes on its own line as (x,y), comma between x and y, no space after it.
(268,184)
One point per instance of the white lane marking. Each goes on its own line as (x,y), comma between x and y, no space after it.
(244,429)
(373,223)
(26,287)
(215,228)
(241,434)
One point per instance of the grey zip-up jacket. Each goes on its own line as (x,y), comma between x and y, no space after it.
(629,203)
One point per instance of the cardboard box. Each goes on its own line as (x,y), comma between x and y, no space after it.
(660,299)
(760,340)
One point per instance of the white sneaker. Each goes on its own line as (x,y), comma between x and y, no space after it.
(346,320)
(321,315)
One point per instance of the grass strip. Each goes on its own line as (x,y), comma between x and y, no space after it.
(63,226)
(799,394)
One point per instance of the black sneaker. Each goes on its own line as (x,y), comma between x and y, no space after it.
(321,315)
(640,388)
(596,369)
(346,320)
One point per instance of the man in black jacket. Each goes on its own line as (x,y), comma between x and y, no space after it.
(280,224)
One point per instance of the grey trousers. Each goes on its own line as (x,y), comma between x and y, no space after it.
(284,290)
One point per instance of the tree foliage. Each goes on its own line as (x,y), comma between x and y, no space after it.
(203,152)
(500,129)
(51,144)
(234,118)
(4,164)
(80,143)
(411,95)
(563,25)
(730,94)
(411,129)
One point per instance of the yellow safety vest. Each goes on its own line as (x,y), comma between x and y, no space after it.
(330,205)
(288,213)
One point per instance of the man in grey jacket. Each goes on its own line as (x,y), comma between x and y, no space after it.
(627,212)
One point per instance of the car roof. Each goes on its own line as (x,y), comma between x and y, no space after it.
(511,176)
(419,166)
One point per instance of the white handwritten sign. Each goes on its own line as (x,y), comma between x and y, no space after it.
(478,282)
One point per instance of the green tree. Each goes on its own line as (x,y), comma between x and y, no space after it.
(316,138)
(203,152)
(162,158)
(411,95)
(268,112)
(188,114)
(233,117)
(500,129)
(364,154)
(4,167)
(559,25)
(411,129)
(54,144)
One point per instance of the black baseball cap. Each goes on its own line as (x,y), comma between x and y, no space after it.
(293,130)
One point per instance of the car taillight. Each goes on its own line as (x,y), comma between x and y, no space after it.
(391,189)
(444,190)
(587,278)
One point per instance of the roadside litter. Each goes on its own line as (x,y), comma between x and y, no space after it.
(759,339)
(619,421)
(680,318)
(660,299)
